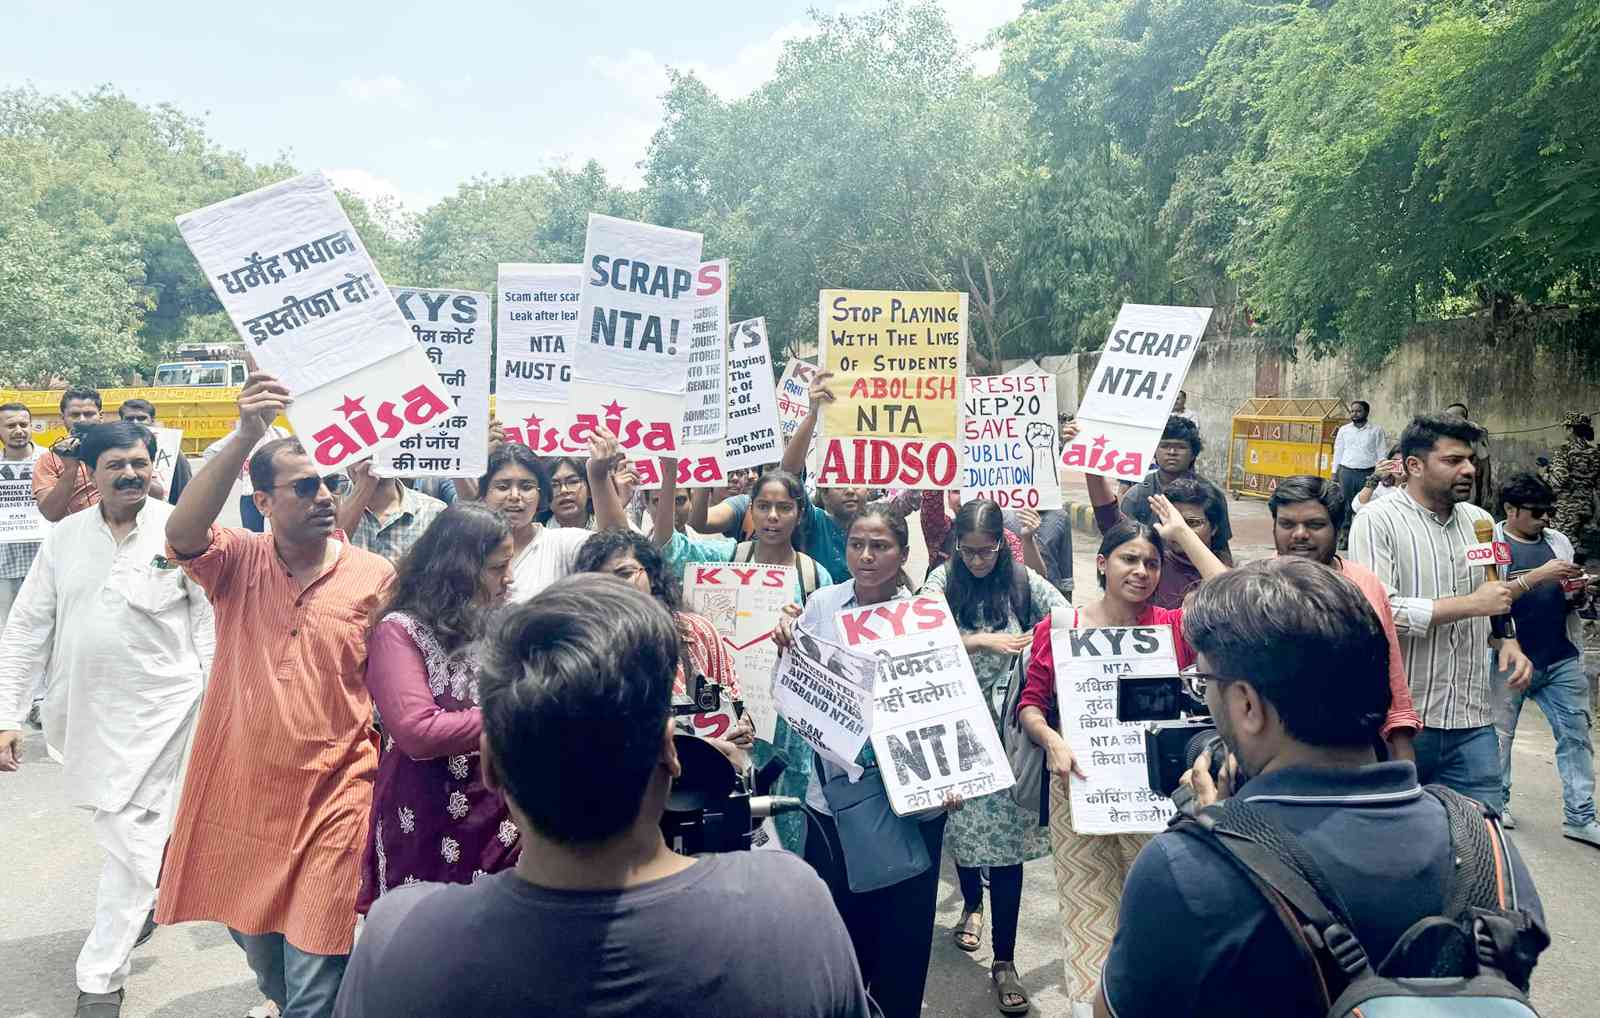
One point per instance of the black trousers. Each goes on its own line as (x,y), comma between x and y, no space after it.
(1005,895)
(1351,480)
(891,929)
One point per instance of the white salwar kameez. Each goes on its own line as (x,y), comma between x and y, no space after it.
(125,641)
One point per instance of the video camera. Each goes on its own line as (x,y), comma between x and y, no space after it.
(713,807)
(1177,727)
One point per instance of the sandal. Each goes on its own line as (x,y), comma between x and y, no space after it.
(968,933)
(1008,986)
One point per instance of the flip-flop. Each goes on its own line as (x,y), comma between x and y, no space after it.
(965,929)
(1007,983)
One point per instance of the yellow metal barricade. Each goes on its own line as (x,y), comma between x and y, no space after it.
(204,414)
(1274,438)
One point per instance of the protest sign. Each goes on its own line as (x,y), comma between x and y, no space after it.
(452,328)
(794,400)
(1115,797)
(1008,441)
(753,424)
(169,446)
(1133,388)
(931,730)
(535,329)
(640,288)
(19,510)
(824,692)
(744,603)
(705,414)
(897,359)
(312,309)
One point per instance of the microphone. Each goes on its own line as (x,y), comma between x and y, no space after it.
(763,806)
(1501,627)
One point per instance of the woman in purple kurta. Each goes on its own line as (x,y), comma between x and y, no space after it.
(433,820)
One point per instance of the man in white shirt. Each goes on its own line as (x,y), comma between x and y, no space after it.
(1357,448)
(126,640)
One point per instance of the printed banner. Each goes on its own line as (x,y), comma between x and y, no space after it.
(705,415)
(1115,797)
(897,359)
(452,328)
(311,307)
(931,730)
(699,466)
(824,692)
(1009,436)
(754,439)
(19,510)
(535,328)
(1133,388)
(640,289)
(169,446)
(745,602)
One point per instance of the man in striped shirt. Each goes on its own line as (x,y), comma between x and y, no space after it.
(272,823)
(1416,542)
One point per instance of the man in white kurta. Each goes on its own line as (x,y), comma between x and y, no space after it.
(125,640)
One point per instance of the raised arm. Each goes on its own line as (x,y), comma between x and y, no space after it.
(353,506)
(794,454)
(189,526)
(661,522)
(609,512)
(1176,530)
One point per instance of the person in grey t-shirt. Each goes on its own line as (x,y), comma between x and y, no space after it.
(599,918)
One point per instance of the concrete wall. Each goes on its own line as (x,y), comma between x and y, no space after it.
(1516,386)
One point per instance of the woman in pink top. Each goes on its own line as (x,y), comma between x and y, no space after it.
(433,819)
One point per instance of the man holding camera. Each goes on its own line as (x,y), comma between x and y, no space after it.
(127,640)
(61,481)
(599,917)
(1295,666)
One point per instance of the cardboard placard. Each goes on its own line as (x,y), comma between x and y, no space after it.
(1009,436)
(744,602)
(452,329)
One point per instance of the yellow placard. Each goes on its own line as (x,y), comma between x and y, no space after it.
(897,358)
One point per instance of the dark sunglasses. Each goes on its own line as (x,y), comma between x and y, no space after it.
(307,487)
(1538,512)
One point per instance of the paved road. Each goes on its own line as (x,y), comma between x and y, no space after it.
(47,898)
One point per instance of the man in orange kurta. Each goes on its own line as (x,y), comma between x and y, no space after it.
(272,820)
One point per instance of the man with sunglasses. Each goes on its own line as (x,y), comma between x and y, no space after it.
(272,823)
(1540,574)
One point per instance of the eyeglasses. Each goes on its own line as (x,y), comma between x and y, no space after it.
(1196,682)
(566,483)
(307,487)
(1538,512)
(978,554)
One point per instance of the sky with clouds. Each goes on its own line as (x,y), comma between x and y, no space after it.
(412,98)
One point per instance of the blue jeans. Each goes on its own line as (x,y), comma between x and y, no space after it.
(303,985)
(1465,760)
(1562,692)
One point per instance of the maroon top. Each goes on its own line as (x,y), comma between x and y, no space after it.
(433,819)
(1178,574)
(936,530)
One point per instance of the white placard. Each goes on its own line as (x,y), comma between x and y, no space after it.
(169,446)
(824,692)
(1115,797)
(452,329)
(754,436)
(705,415)
(312,309)
(536,326)
(931,730)
(1008,441)
(744,602)
(1133,388)
(19,510)
(794,400)
(640,287)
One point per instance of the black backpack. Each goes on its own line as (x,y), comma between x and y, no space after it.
(1481,948)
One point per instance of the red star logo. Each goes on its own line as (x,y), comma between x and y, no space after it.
(531,422)
(1100,442)
(351,406)
(613,408)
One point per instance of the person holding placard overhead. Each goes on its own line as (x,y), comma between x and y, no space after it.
(996,601)
(517,485)
(1091,868)
(777,507)
(891,927)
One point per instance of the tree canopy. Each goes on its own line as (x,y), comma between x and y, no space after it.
(1322,172)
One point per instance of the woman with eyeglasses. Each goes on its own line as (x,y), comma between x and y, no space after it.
(891,927)
(517,485)
(1091,869)
(631,557)
(433,819)
(570,504)
(778,505)
(996,601)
